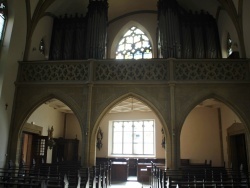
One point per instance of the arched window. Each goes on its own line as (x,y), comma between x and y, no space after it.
(229,45)
(134,45)
(133,137)
(3,15)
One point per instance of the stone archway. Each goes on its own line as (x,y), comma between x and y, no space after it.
(104,115)
(24,112)
(204,133)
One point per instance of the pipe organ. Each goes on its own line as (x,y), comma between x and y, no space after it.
(168,28)
(81,37)
(180,34)
(185,34)
(68,37)
(97,29)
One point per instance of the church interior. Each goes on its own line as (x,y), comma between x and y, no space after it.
(127,83)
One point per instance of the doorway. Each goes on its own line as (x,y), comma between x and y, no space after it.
(33,149)
(238,152)
(26,157)
(237,147)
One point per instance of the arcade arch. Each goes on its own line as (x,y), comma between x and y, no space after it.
(51,134)
(129,108)
(90,151)
(210,122)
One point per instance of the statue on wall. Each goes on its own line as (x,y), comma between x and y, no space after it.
(99,139)
(50,132)
(51,142)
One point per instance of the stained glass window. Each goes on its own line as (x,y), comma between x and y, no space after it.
(134,45)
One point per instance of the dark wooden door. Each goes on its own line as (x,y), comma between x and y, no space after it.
(26,149)
(39,149)
(132,167)
(238,151)
(65,150)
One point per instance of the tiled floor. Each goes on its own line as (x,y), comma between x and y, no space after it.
(130,183)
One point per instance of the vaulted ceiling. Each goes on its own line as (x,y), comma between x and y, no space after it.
(121,7)
(128,105)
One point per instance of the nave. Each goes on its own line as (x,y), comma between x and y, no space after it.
(102,176)
(131,182)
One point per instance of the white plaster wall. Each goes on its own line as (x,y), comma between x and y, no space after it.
(42,31)
(200,139)
(225,26)
(107,134)
(45,116)
(11,53)
(73,129)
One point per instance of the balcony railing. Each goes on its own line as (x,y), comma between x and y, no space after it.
(135,71)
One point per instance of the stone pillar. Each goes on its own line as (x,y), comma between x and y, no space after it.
(85,147)
(87,130)
(90,88)
(175,148)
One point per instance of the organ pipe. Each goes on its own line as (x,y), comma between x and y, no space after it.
(168,20)
(182,34)
(81,37)
(97,29)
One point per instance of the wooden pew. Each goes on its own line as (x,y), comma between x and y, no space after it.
(12,177)
(119,171)
(83,178)
(49,175)
(156,174)
(199,177)
(57,175)
(102,175)
(75,174)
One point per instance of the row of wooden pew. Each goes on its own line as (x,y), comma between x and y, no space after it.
(198,177)
(57,176)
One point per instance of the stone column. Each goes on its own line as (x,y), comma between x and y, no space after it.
(173,132)
(90,88)
(175,138)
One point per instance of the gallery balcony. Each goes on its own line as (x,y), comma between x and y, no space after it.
(150,71)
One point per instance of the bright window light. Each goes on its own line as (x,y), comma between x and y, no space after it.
(133,137)
(134,45)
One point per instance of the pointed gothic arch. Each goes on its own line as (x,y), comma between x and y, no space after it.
(16,134)
(221,112)
(216,97)
(92,153)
